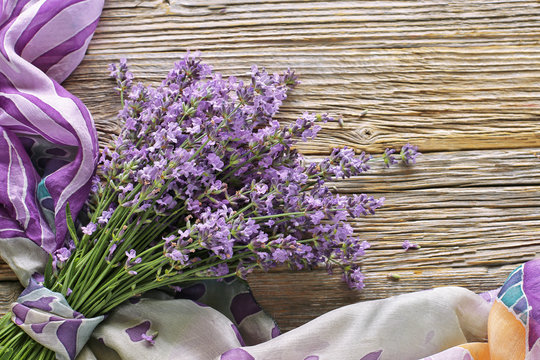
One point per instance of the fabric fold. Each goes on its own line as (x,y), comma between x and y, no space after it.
(448,323)
(47,134)
(47,318)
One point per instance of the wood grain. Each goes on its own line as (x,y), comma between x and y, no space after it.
(458,78)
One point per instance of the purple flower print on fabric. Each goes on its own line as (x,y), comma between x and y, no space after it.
(238,335)
(136,332)
(375,355)
(242,306)
(236,354)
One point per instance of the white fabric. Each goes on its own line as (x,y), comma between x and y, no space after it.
(401,327)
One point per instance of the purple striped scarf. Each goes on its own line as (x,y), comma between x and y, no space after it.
(48,153)
(48,143)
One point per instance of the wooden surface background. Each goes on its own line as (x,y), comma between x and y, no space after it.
(458,78)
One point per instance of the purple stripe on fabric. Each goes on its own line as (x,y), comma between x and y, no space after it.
(17,10)
(89,122)
(33,285)
(521,306)
(238,335)
(38,328)
(24,209)
(21,129)
(243,305)
(11,234)
(135,333)
(50,111)
(20,313)
(8,227)
(65,175)
(57,182)
(43,303)
(6,24)
(16,174)
(53,56)
(275,332)
(236,354)
(45,14)
(11,108)
(67,335)
(511,281)
(531,288)
(375,355)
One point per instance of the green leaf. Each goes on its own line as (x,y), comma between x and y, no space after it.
(67,278)
(71,226)
(48,273)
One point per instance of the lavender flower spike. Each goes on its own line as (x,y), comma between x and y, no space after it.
(409,153)
(388,157)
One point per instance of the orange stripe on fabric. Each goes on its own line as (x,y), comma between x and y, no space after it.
(479,351)
(506,334)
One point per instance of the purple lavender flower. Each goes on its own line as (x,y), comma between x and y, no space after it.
(354,278)
(105,216)
(183,234)
(280,256)
(132,258)
(409,245)
(62,254)
(388,157)
(202,176)
(409,153)
(89,228)
(111,252)
(59,257)
(215,161)
(179,256)
(220,270)
(122,75)
(148,338)
(125,189)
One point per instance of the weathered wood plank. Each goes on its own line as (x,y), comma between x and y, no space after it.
(450,75)
(9,291)
(458,78)
(295,298)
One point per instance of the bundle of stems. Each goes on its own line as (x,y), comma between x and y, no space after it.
(202,183)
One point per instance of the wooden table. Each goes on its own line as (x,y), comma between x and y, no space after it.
(458,78)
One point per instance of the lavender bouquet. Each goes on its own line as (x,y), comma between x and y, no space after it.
(203,183)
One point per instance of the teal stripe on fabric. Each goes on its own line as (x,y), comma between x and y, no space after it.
(512,296)
(524,318)
(42,191)
(42,195)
